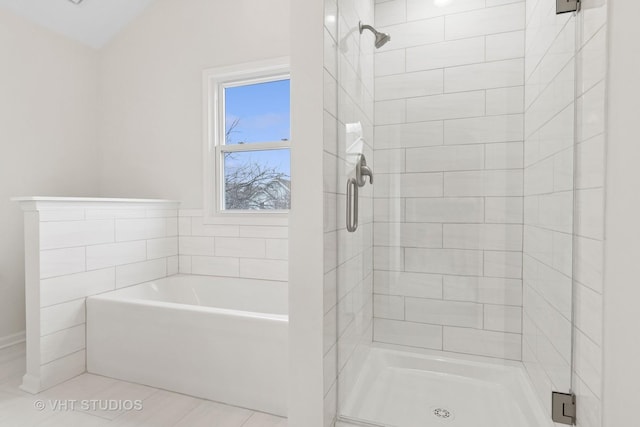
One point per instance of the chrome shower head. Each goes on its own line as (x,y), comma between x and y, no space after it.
(381,38)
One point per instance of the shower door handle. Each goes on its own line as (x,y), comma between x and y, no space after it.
(352,205)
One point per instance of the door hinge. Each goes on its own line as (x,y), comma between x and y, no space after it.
(563,408)
(564,6)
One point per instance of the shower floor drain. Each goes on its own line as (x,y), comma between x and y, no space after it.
(442,414)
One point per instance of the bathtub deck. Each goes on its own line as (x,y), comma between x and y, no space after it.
(160,408)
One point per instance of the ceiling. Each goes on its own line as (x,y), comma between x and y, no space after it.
(92,22)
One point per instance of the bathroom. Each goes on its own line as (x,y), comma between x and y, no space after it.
(442,230)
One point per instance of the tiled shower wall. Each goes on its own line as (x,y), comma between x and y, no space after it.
(448,163)
(232,250)
(348,256)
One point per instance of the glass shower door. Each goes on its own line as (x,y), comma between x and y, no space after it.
(461,268)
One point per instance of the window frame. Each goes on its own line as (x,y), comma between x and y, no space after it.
(215,81)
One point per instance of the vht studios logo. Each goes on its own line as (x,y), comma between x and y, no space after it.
(58,405)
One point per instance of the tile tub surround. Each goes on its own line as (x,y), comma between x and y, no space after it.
(78,247)
(448,200)
(232,249)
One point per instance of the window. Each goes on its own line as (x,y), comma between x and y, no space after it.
(247,143)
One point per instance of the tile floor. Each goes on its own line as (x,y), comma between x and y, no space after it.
(160,408)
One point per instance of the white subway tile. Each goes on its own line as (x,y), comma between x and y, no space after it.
(504,210)
(505,46)
(589,213)
(447,106)
(132,274)
(239,248)
(215,266)
(264,232)
(408,185)
(414,33)
(198,228)
(445,210)
(483,290)
(509,100)
(101,256)
(483,236)
(62,316)
(190,212)
(159,248)
(418,235)
(486,343)
(503,264)
(487,75)
(504,156)
(483,183)
(161,213)
(389,161)
(420,9)
(196,245)
(58,262)
(391,62)
(388,258)
(446,54)
(484,129)
(140,229)
(407,333)
(68,288)
(408,284)
(184,264)
(390,112)
(62,343)
(407,85)
(388,210)
(61,215)
(438,312)
(277,249)
(443,261)
(485,21)
(173,265)
(388,307)
(184,226)
(389,13)
(65,234)
(409,135)
(502,318)
(443,158)
(588,254)
(264,269)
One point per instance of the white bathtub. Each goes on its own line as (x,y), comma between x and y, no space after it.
(217,338)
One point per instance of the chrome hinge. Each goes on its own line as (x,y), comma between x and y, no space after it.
(563,408)
(564,6)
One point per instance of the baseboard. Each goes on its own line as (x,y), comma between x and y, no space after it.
(10,340)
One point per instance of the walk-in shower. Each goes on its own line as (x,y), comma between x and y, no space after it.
(454,288)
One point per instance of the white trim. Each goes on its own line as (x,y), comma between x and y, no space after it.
(213,134)
(13,339)
(44,203)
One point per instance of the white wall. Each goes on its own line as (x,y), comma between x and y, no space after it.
(448,162)
(151,89)
(622,251)
(48,103)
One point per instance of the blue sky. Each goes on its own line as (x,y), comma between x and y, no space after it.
(264,115)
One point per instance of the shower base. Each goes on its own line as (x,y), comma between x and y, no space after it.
(406,389)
